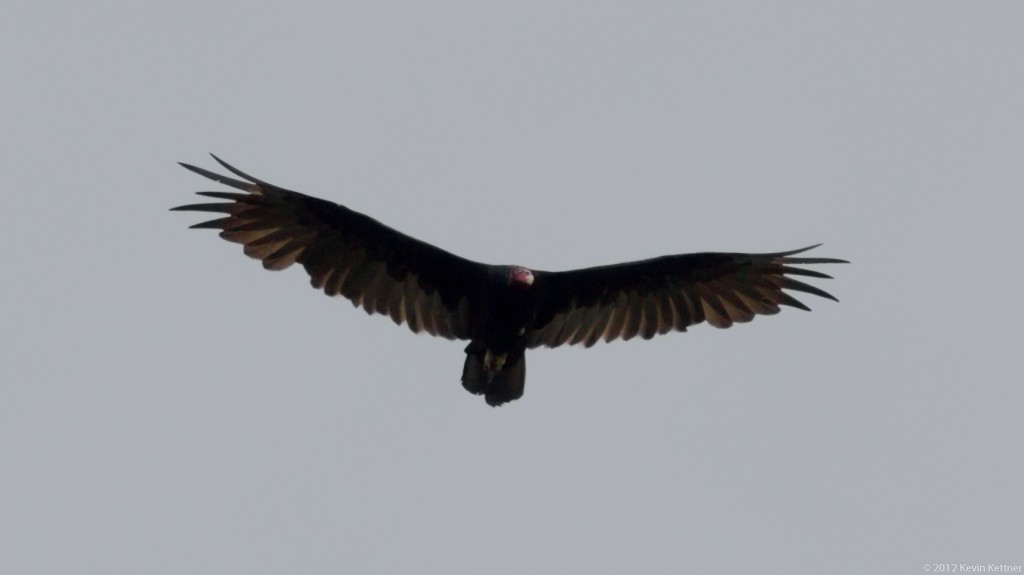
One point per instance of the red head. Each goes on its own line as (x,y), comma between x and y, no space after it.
(520,276)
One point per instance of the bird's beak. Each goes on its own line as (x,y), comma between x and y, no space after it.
(522,276)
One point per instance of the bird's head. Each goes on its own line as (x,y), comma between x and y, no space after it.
(520,276)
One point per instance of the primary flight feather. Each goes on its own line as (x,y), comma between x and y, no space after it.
(501,310)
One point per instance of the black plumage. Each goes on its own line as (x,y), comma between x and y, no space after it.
(501,310)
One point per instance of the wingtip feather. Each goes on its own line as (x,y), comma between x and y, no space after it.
(245,186)
(236,171)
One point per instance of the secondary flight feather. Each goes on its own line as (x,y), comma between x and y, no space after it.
(501,310)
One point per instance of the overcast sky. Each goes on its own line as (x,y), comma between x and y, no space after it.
(168,407)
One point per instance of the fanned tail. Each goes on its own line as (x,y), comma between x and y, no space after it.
(500,379)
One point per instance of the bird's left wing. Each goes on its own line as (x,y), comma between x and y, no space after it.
(669,293)
(345,253)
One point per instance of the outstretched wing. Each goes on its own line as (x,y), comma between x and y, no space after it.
(345,253)
(669,293)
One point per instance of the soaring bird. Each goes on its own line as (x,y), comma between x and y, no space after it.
(501,310)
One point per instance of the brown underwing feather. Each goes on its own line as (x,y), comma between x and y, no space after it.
(411,304)
(358,276)
(261,251)
(670,293)
(795,271)
(395,305)
(754,301)
(598,323)
(649,320)
(368,294)
(217,224)
(590,324)
(665,319)
(631,325)
(714,312)
(333,287)
(687,308)
(345,253)
(285,256)
(797,285)
(673,318)
(602,316)
(786,299)
(734,306)
(233,196)
(281,234)
(247,224)
(713,308)
(558,329)
(616,319)
(570,327)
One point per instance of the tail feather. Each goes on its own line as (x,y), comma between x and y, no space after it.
(474,377)
(498,385)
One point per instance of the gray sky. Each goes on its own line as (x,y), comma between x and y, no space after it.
(167,407)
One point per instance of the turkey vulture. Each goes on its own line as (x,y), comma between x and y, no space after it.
(501,310)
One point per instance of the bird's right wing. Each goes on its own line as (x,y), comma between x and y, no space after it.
(669,293)
(346,253)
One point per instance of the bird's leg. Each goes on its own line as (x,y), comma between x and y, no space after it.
(493,363)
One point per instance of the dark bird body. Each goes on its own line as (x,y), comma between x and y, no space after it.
(501,310)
